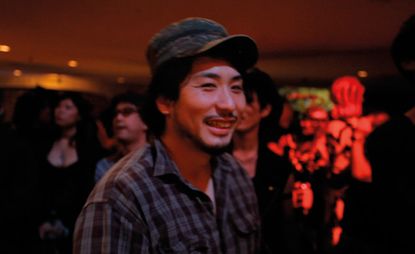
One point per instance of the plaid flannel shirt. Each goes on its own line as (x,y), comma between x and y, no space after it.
(143,205)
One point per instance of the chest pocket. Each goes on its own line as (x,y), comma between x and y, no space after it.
(245,226)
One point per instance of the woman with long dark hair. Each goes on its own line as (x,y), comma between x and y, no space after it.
(67,174)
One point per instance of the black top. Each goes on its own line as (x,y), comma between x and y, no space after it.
(65,191)
(391,150)
(284,228)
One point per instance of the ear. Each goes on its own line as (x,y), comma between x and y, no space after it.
(266,111)
(164,105)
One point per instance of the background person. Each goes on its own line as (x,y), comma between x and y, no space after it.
(390,150)
(66,176)
(283,230)
(128,128)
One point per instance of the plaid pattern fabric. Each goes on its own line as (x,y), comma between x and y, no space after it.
(143,205)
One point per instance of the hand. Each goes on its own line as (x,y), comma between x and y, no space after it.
(279,147)
(44,230)
(347,93)
(53,230)
(105,141)
(302,196)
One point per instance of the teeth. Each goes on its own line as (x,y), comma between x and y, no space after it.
(220,124)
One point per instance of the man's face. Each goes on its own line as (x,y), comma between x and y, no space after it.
(211,100)
(316,120)
(252,115)
(127,124)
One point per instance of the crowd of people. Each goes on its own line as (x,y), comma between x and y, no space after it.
(212,159)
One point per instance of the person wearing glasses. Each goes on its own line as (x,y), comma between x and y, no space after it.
(130,132)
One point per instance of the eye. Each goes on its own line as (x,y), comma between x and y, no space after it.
(238,88)
(208,86)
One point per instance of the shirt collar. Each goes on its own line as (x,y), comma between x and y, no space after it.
(164,165)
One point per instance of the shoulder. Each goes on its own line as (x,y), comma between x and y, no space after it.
(105,163)
(231,164)
(125,178)
(102,167)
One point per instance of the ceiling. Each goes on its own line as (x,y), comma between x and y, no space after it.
(298,39)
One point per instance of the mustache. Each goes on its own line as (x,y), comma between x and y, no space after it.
(225,116)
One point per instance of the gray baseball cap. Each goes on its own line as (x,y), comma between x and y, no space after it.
(195,36)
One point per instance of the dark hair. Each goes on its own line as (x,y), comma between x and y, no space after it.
(260,83)
(128,97)
(85,128)
(28,107)
(83,106)
(165,83)
(403,48)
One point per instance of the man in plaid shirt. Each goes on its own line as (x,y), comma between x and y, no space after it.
(181,193)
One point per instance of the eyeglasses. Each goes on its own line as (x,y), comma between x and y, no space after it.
(125,112)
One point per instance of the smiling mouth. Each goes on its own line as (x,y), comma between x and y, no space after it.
(221,123)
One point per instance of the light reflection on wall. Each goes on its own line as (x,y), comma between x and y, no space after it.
(55,81)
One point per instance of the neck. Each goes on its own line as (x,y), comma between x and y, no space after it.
(129,147)
(196,170)
(68,132)
(246,141)
(245,150)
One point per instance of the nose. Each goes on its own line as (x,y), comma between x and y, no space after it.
(225,101)
(58,110)
(117,116)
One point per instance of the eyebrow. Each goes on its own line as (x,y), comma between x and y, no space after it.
(126,106)
(216,76)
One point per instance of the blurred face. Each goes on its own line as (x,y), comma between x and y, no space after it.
(127,124)
(252,115)
(66,114)
(315,121)
(210,102)
(309,126)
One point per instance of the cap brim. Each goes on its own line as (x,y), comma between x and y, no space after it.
(239,49)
